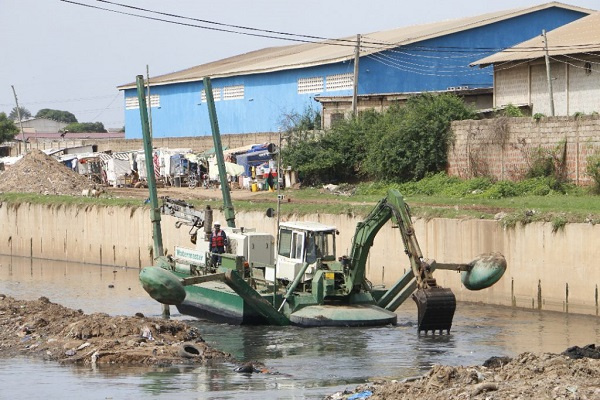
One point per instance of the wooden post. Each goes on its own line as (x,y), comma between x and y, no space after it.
(548,77)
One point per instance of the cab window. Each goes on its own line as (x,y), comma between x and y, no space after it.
(285,242)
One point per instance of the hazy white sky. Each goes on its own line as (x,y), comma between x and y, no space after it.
(68,57)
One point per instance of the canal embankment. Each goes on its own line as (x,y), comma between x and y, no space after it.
(547,269)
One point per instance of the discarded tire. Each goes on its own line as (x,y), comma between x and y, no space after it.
(189,350)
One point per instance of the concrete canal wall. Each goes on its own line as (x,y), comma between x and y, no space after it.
(546,270)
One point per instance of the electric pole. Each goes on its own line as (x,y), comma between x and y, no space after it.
(548,76)
(355,87)
(20,123)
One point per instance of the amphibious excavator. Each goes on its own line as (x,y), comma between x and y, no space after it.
(302,282)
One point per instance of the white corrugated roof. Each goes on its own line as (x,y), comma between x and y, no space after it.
(581,36)
(326,52)
(307,226)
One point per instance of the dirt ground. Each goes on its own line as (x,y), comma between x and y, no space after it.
(574,374)
(39,173)
(50,331)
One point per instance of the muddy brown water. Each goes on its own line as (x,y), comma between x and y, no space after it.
(305,363)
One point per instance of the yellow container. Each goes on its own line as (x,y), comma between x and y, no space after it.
(254,187)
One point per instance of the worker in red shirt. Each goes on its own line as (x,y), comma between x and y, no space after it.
(218,241)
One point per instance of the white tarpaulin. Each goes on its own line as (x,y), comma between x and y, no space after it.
(231,169)
(116,170)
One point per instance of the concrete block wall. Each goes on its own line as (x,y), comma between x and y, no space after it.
(196,143)
(505,148)
(546,270)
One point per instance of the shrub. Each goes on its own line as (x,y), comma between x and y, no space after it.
(413,140)
(500,190)
(550,164)
(593,170)
(538,116)
(511,110)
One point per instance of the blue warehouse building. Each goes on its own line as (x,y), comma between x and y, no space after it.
(254,91)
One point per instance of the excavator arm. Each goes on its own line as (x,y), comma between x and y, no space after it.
(391,207)
(436,305)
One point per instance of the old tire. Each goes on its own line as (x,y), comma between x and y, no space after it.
(188,350)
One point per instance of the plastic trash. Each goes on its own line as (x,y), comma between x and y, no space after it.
(362,395)
(147,333)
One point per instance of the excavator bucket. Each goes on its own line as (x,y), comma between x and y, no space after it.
(436,309)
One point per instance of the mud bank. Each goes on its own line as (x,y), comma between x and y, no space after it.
(574,374)
(50,331)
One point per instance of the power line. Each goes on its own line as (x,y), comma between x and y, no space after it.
(302,38)
(198,26)
(107,107)
(420,65)
(67,100)
(320,38)
(390,63)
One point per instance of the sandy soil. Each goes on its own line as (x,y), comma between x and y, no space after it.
(50,331)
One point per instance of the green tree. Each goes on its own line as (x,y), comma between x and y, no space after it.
(24,113)
(414,138)
(401,144)
(56,115)
(8,129)
(85,127)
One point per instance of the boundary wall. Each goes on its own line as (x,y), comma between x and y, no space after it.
(506,148)
(196,143)
(546,270)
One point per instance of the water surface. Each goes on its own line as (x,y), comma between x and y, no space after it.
(304,363)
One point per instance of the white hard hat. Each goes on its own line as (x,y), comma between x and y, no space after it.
(217,223)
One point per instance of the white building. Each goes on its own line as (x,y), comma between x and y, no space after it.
(520,74)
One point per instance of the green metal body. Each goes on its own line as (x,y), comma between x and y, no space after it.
(154,206)
(483,272)
(338,294)
(216,134)
(391,207)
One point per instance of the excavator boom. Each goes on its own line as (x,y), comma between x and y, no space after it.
(435,304)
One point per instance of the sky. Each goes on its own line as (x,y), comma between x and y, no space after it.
(70,57)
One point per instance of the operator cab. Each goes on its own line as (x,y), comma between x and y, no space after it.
(301,242)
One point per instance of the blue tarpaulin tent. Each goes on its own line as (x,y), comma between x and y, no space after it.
(253,159)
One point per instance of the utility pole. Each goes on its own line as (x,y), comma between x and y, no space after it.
(149,101)
(279,176)
(20,123)
(355,87)
(548,77)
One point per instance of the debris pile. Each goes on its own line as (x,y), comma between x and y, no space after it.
(340,190)
(528,376)
(39,173)
(44,329)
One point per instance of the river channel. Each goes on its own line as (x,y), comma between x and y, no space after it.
(305,363)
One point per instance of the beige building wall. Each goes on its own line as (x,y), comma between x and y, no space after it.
(559,268)
(511,85)
(575,85)
(584,87)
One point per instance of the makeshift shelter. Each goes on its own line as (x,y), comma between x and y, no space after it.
(257,155)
